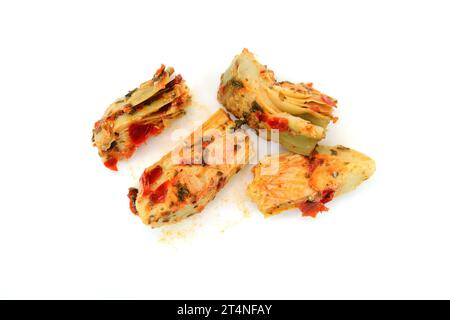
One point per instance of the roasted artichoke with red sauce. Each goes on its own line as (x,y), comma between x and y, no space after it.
(289,180)
(250,92)
(184,181)
(143,112)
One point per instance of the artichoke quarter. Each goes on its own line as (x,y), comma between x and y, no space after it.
(301,113)
(142,113)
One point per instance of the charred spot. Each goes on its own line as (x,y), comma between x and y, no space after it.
(112,145)
(165,108)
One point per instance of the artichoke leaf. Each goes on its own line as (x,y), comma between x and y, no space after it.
(168,97)
(298,144)
(149,89)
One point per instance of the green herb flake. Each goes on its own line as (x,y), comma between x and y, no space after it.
(182,192)
(255,107)
(236,83)
(239,123)
(130,93)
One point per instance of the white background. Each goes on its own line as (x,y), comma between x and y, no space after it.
(65,227)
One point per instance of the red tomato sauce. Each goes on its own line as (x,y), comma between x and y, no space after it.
(160,70)
(159,195)
(148,178)
(262,116)
(111,164)
(139,133)
(314,164)
(281,124)
(328,100)
(327,196)
(312,209)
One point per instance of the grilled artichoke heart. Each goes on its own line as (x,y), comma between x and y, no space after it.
(287,181)
(184,181)
(140,114)
(250,91)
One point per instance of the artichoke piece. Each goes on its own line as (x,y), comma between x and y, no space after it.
(289,180)
(140,114)
(176,188)
(250,91)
